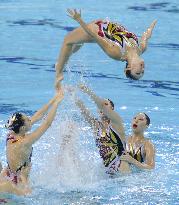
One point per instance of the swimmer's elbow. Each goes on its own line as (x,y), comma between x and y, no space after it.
(150,166)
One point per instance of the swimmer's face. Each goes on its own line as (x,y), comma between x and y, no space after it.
(106,103)
(18,123)
(135,70)
(139,123)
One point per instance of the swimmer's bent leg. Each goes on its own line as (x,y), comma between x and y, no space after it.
(70,45)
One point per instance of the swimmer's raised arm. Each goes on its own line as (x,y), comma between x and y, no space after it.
(145,37)
(149,158)
(92,95)
(116,120)
(34,136)
(100,102)
(40,113)
(87,115)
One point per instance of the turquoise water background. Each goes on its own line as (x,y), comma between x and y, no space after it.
(31,35)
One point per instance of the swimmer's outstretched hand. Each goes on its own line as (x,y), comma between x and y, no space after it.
(74,14)
(150,29)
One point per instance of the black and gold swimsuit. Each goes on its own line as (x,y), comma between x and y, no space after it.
(137,152)
(110,148)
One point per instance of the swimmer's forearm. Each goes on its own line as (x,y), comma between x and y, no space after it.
(95,98)
(85,27)
(40,113)
(144,42)
(116,121)
(143,165)
(33,137)
(86,113)
(146,36)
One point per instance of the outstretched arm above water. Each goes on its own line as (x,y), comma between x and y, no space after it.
(92,95)
(40,113)
(145,37)
(34,136)
(87,115)
(115,118)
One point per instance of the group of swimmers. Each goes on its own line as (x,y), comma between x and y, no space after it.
(117,152)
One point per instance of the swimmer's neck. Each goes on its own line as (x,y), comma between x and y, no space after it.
(138,136)
(19,135)
(131,54)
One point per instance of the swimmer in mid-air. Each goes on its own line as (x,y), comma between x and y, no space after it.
(14,178)
(110,136)
(114,39)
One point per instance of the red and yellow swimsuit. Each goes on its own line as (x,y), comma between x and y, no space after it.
(117,34)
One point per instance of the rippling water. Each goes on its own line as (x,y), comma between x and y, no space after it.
(31,35)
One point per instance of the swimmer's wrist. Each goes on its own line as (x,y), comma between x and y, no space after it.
(79,20)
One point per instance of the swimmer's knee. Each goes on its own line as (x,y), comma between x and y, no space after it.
(67,40)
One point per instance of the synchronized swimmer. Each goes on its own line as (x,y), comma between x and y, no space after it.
(117,151)
(114,39)
(14,178)
(110,138)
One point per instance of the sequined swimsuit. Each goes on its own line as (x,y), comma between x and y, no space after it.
(110,148)
(117,34)
(137,152)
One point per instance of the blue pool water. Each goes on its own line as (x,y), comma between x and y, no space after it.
(31,35)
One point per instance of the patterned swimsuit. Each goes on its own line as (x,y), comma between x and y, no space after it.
(110,148)
(117,34)
(137,152)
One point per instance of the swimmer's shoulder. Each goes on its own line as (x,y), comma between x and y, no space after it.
(148,143)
